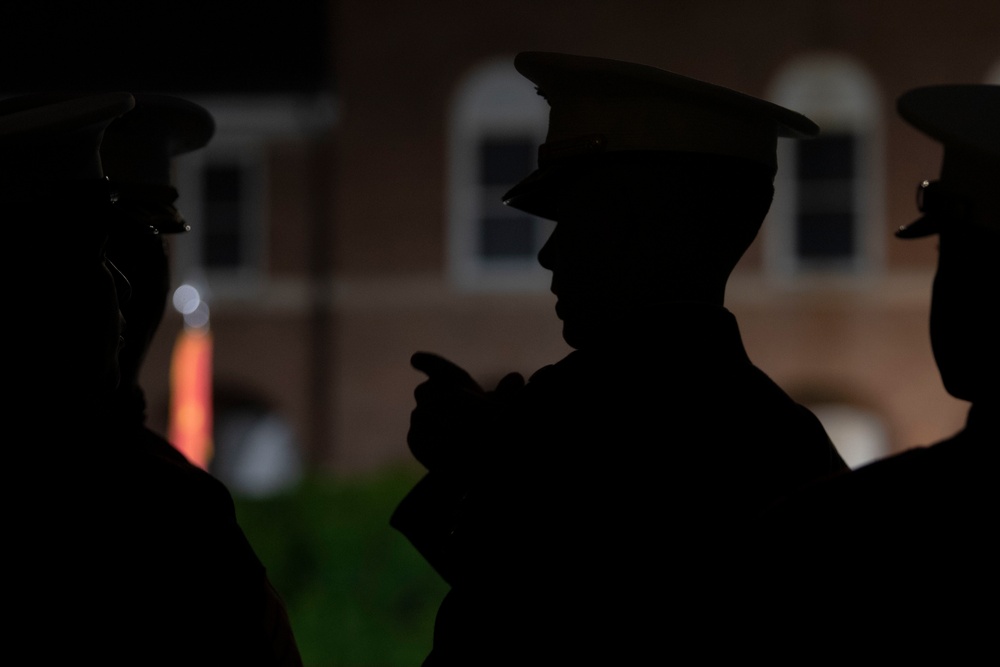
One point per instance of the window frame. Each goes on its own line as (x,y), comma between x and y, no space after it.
(495,101)
(248,156)
(246,126)
(840,95)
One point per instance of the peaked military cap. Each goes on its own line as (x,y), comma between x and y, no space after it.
(599,106)
(965,119)
(49,145)
(138,150)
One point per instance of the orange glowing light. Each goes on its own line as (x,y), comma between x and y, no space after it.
(190,427)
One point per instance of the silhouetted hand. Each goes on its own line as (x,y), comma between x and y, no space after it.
(455,421)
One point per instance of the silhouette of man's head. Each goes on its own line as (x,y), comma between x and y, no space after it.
(59,210)
(658,184)
(962,208)
(138,152)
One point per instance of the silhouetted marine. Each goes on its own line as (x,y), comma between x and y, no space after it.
(907,545)
(586,516)
(119,551)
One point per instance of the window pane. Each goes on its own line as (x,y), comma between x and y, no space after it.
(508,237)
(825,235)
(505,233)
(505,161)
(825,224)
(223,194)
(826,156)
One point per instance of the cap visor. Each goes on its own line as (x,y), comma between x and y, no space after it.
(538,193)
(925,226)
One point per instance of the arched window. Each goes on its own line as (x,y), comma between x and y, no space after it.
(827,217)
(223,190)
(497,122)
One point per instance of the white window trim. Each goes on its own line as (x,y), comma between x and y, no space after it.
(249,155)
(245,127)
(839,95)
(493,100)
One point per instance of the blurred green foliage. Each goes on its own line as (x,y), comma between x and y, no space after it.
(358,594)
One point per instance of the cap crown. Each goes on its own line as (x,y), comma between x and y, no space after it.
(138,151)
(610,113)
(140,145)
(960,116)
(605,105)
(965,119)
(45,138)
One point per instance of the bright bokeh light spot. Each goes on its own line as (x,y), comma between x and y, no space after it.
(186,299)
(188,302)
(197,318)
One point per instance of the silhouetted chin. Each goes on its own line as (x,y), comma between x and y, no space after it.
(589,327)
(581,335)
(575,331)
(573,340)
(963,378)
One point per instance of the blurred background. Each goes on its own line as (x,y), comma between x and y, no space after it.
(347,213)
